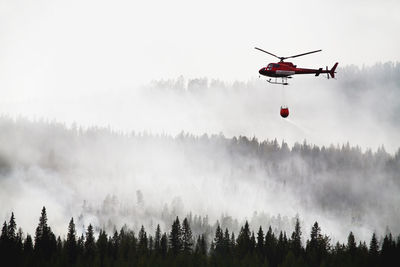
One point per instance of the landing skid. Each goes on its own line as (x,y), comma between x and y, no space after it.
(283,81)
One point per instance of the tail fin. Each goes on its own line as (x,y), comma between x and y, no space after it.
(332,71)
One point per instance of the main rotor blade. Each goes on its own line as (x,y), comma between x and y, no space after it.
(267,52)
(304,54)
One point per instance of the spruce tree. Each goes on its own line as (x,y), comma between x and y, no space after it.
(5,246)
(90,245)
(102,244)
(243,240)
(114,245)
(45,240)
(71,244)
(143,241)
(373,251)
(187,238)
(260,241)
(351,244)
(296,239)
(157,240)
(219,240)
(12,228)
(373,246)
(175,237)
(227,242)
(28,245)
(252,242)
(164,245)
(270,246)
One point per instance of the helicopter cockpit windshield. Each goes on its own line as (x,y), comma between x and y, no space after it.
(269,67)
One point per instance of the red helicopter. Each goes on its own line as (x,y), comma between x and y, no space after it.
(284,70)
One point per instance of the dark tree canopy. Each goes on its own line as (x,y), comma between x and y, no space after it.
(181,249)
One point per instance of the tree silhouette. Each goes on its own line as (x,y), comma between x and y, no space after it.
(90,245)
(45,240)
(164,244)
(219,240)
(143,241)
(175,237)
(71,244)
(373,251)
(124,249)
(157,240)
(260,242)
(187,238)
(296,239)
(243,240)
(351,244)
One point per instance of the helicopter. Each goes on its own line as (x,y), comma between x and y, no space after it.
(285,70)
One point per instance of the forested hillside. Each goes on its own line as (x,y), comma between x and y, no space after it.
(110,179)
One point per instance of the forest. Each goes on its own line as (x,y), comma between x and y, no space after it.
(177,246)
(109,179)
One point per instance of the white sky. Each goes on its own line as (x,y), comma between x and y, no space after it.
(58,47)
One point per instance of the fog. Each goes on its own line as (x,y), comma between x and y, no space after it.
(173,147)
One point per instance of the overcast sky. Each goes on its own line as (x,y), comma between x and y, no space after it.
(84,46)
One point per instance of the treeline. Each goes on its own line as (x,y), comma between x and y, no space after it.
(178,247)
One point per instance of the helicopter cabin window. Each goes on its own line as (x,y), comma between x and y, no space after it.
(276,65)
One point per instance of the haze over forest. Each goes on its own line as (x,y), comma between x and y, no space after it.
(213,149)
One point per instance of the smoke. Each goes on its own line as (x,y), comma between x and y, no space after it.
(140,156)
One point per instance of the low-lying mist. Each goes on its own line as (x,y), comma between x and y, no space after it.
(360,107)
(110,179)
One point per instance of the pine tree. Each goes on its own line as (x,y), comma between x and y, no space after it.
(143,241)
(388,251)
(28,245)
(373,246)
(4,233)
(260,241)
(373,251)
(5,246)
(227,242)
(296,239)
(151,244)
(317,247)
(252,242)
(157,240)
(187,238)
(203,245)
(219,240)
(90,245)
(270,246)
(71,244)
(197,246)
(164,245)
(351,244)
(80,246)
(102,244)
(45,240)
(175,237)
(114,245)
(12,228)
(243,240)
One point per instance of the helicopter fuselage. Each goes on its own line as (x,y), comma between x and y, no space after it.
(286,69)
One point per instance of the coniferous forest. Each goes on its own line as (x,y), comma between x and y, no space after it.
(177,246)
